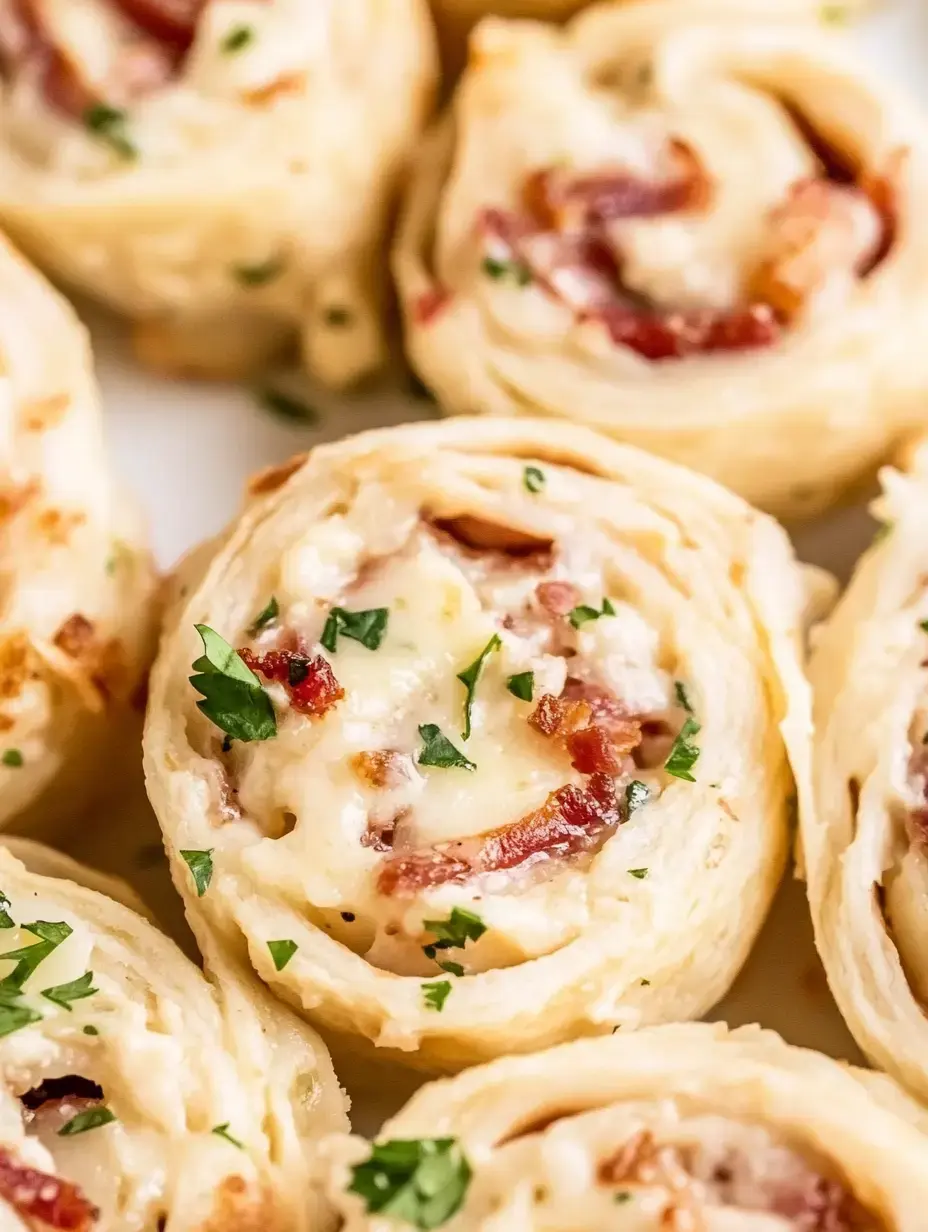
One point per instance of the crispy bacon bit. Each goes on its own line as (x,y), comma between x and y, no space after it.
(310,683)
(572,820)
(38,1197)
(820,1205)
(382,767)
(71,1086)
(171,21)
(380,835)
(76,636)
(427,306)
(554,717)
(562,200)
(596,749)
(675,335)
(558,598)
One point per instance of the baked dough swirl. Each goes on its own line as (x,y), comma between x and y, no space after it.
(134,1094)
(694,226)
(505,739)
(76,579)
(670,1129)
(866,842)
(222,172)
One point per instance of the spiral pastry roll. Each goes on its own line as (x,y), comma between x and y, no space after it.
(485,736)
(219,172)
(695,226)
(866,844)
(133,1093)
(670,1129)
(75,577)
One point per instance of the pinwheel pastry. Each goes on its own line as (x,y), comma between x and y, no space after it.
(694,227)
(221,172)
(134,1095)
(670,1129)
(75,577)
(866,843)
(484,736)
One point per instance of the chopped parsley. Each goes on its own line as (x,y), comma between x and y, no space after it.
(420,1181)
(287,407)
(237,38)
(91,1118)
(12,758)
(282,952)
(452,968)
(14,1016)
(882,532)
(494,268)
(522,686)
(222,1131)
(109,124)
(453,934)
(682,696)
(368,627)
(684,753)
(923,625)
(645,983)
(621,1197)
(533,478)
(436,994)
(640,873)
(90,1030)
(583,613)
(266,616)
(29,957)
(76,990)
(6,920)
(471,675)
(200,864)
(258,275)
(233,697)
(437,750)
(636,794)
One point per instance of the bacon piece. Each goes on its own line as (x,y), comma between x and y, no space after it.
(605,706)
(676,335)
(310,682)
(558,598)
(427,306)
(171,21)
(38,1197)
(554,717)
(820,1205)
(382,767)
(594,746)
(596,749)
(76,636)
(571,820)
(381,835)
(563,200)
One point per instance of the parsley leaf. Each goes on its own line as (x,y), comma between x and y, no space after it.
(452,968)
(6,920)
(76,990)
(436,994)
(237,38)
(437,750)
(682,696)
(454,933)
(684,753)
(109,124)
(90,1030)
(495,268)
(200,864)
(282,952)
(233,697)
(534,478)
(222,1131)
(368,627)
(639,873)
(265,617)
(91,1118)
(28,957)
(421,1181)
(636,794)
(13,1016)
(522,686)
(287,407)
(923,625)
(258,275)
(622,1197)
(470,676)
(12,758)
(583,613)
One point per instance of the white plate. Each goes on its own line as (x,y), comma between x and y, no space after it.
(187,451)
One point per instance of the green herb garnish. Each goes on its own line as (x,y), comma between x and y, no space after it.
(12,758)
(437,750)
(92,1118)
(636,794)
(287,407)
(13,1016)
(420,1181)
(436,994)
(90,1030)
(495,268)
(222,1131)
(469,678)
(265,617)
(452,968)
(237,38)
(200,864)
(6,920)
(109,124)
(639,873)
(682,696)
(522,686)
(282,952)
(233,697)
(453,934)
(684,753)
(368,627)
(28,957)
(76,990)
(533,478)
(583,613)
(259,275)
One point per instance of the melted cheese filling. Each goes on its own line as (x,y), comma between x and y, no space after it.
(445,604)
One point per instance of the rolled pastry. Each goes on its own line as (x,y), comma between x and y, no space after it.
(220,173)
(134,1094)
(76,579)
(694,226)
(671,1129)
(866,842)
(484,735)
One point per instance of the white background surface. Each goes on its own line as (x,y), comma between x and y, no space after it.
(187,450)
